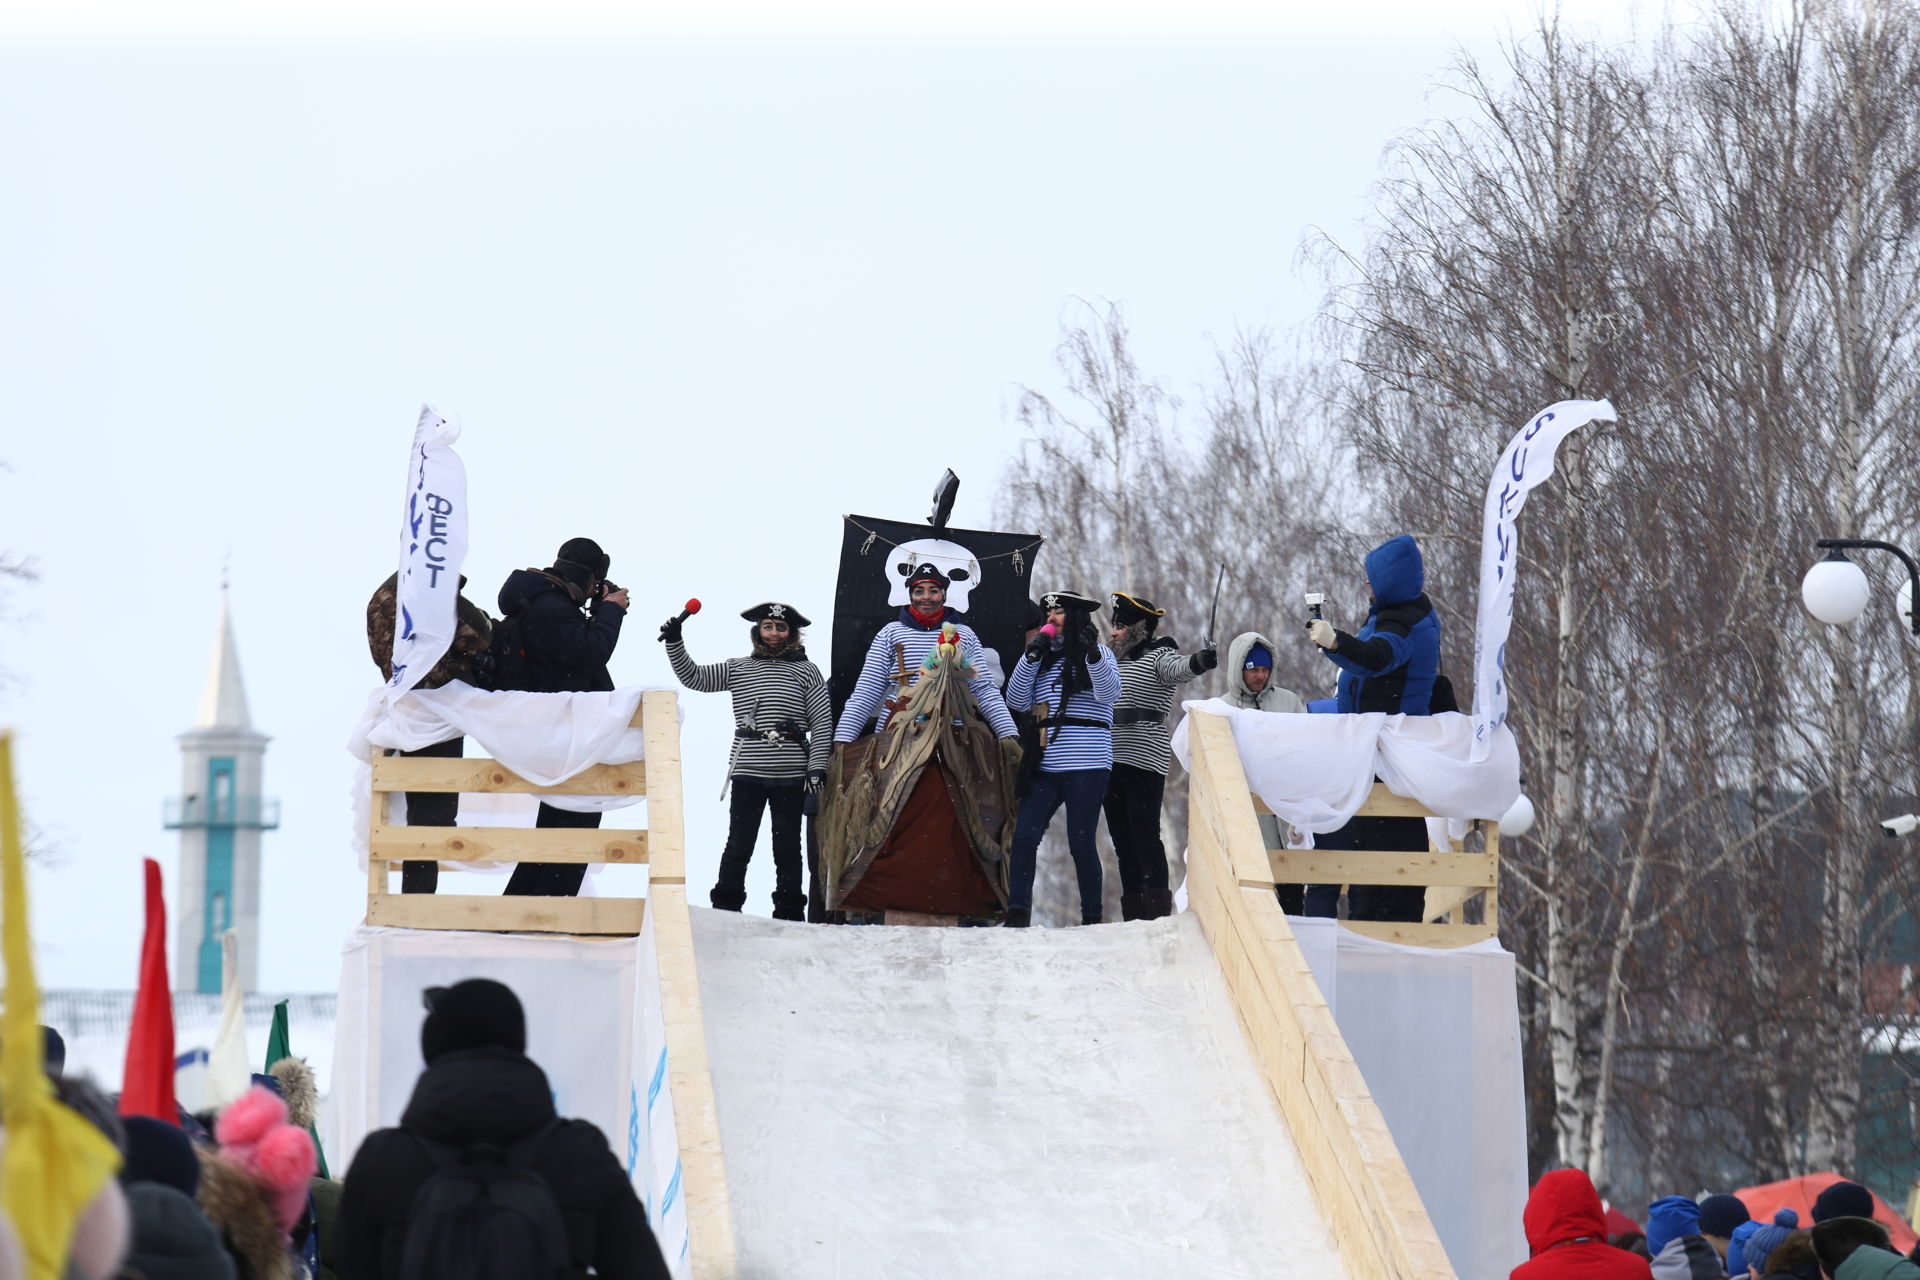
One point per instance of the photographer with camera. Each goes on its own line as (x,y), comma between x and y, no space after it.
(546,644)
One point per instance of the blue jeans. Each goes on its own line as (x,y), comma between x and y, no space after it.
(1082,791)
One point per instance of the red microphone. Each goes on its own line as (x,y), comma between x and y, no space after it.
(693,607)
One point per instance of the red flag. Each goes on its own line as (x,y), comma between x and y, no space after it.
(148,1087)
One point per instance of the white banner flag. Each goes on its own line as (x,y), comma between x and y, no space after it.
(433,546)
(1525,463)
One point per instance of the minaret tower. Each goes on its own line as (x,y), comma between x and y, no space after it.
(219,815)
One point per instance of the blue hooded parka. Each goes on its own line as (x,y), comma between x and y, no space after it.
(1392,663)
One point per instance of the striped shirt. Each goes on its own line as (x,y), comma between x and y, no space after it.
(876,682)
(1072,746)
(768,693)
(1147,682)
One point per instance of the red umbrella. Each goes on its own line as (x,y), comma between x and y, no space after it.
(1799,1194)
(1619,1223)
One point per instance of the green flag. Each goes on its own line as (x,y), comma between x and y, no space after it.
(278,1048)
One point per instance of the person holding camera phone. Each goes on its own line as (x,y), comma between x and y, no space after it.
(1391,664)
(560,629)
(1066,678)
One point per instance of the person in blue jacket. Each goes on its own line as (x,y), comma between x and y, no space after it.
(1391,664)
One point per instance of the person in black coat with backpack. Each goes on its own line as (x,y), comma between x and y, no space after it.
(482,1099)
(545,644)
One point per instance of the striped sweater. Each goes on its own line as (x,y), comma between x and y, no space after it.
(768,693)
(876,682)
(1147,683)
(1073,746)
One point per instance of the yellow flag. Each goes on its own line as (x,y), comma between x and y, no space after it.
(55,1161)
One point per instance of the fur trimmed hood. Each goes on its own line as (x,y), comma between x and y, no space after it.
(242,1209)
(298,1089)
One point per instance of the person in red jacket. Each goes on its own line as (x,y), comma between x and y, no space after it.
(1567,1233)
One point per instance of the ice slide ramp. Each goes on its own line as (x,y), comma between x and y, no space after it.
(1159,1099)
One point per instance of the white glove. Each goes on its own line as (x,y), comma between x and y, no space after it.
(1322,633)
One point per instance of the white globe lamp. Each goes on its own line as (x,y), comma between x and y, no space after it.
(1835,590)
(1518,819)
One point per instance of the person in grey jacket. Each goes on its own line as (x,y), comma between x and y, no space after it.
(1251,686)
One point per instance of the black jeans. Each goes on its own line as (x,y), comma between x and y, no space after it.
(750,796)
(1404,904)
(1133,821)
(1080,790)
(552,879)
(430,809)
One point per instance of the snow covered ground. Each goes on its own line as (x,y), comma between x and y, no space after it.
(926,1102)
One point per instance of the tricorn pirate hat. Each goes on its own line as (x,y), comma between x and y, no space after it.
(1129,609)
(778,612)
(1068,600)
(927,571)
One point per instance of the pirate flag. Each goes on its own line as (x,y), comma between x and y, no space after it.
(989,581)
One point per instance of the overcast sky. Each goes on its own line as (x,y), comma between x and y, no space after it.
(694,290)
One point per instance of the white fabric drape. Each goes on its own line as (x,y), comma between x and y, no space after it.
(546,738)
(1315,771)
(1436,1034)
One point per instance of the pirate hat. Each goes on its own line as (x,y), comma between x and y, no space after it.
(1128,609)
(926,571)
(778,612)
(1068,600)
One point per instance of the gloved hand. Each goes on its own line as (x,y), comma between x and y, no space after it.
(1204,661)
(1089,639)
(816,779)
(670,631)
(1038,646)
(1322,633)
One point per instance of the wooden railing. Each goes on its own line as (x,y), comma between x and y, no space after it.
(661,847)
(658,848)
(1360,1183)
(1451,879)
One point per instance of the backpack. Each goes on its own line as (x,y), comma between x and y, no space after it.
(486,1214)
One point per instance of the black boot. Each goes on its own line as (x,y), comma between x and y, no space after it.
(1155,903)
(1129,906)
(1093,917)
(789,906)
(1018,918)
(727,899)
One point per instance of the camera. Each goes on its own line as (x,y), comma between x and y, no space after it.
(1904,825)
(1314,600)
(605,589)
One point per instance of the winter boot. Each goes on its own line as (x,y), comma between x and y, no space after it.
(1129,906)
(727,899)
(1092,917)
(789,906)
(1155,903)
(1018,918)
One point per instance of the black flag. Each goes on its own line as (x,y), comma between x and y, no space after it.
(992,580)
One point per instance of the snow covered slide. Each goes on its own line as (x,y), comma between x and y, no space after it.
(1160,1099)
(944,1102)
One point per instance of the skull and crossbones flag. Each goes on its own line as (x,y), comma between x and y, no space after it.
(989,581)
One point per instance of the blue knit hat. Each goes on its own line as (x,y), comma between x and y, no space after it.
(1759,1246)
(1669,1218)
(1259,656)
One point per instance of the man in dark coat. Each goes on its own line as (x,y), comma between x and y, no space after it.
(1391,664)
(479,1086)
(545,644)
(1567,1234)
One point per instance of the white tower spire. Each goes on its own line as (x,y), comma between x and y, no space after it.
(220,815)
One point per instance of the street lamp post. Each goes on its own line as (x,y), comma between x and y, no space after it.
(1835,590)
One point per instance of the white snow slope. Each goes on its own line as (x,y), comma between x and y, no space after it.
(928,1102)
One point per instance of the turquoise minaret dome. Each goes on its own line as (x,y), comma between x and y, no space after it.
(219,815)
